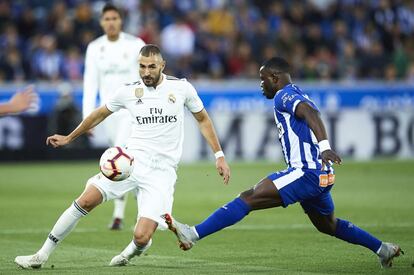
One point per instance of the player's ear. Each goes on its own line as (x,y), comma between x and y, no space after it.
(275,78)
(163,65)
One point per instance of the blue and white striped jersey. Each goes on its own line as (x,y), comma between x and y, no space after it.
(299,144)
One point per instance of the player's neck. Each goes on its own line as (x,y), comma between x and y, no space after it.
(159,81)
(113,38)
(285,81)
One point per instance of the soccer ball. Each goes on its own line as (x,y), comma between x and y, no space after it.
(116,163)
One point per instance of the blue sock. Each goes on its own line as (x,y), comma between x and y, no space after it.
(225,216)
(353,234)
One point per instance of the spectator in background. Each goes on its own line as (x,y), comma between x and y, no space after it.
(177,41)
(83,20)
(150,33)
(47,62)
(167,13)
(58,12)
(12,66)
(10,38)
(410,74)
(215,60)
(27,24)
(220,21)
(374,61)
(66,116)
(5,14)
(282,24)
(65,33)
(348,62)
(73,65)
(237,63)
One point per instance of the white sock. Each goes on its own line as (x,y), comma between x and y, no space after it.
(135,250)
(196,237)
(64,225)
(119,207)
(379,250)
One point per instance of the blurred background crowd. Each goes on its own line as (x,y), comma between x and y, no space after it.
(217,39)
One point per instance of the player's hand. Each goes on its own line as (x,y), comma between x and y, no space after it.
(223,169)
(329,157)
(89,133)
(22,100)
(57,140)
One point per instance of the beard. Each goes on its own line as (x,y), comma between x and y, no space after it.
(269,94)
(151,81)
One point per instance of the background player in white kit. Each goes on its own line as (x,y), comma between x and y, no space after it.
(111,61)
(157,104)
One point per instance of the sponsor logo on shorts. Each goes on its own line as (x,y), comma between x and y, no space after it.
(326,180)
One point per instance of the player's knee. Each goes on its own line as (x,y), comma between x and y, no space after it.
(142,238)
(328,228)
(247,196)
(87,204)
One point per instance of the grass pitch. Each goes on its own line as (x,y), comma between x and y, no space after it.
(378,196)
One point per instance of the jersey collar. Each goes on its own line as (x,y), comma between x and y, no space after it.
(121,36)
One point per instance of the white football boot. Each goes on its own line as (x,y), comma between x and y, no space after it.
(185,234)
(125,256)
(387,253)
(119,260)
(30,261)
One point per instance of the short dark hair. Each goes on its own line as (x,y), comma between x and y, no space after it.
(277,64)
(111,7)
(150,49)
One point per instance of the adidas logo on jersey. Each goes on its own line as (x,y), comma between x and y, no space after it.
(139,101)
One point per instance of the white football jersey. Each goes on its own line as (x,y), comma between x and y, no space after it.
(158,115)
(108,66)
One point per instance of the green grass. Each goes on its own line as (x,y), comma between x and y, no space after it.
(378,196)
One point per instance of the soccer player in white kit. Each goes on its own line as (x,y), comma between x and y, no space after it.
(110,62)
(156,102)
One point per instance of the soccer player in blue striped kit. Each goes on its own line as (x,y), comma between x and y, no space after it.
(308,179)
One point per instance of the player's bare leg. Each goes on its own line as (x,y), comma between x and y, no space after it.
(349,232)
(261,196)
(144,229)
(119,213)
(88,200)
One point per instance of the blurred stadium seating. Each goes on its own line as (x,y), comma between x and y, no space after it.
(344,39)
(354,57)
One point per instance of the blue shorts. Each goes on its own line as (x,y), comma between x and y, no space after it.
(304,186)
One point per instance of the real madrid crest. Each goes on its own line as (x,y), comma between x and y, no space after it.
(171,98)
(139,92)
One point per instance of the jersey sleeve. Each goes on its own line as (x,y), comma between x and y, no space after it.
(90,83)
(192,101)
(288,100)
(116,102)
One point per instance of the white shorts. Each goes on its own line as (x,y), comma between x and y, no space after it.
(118,127)
(154,187)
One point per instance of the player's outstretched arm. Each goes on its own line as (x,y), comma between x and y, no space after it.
(313,119)
(207,130)
(21,101)
(88,123)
